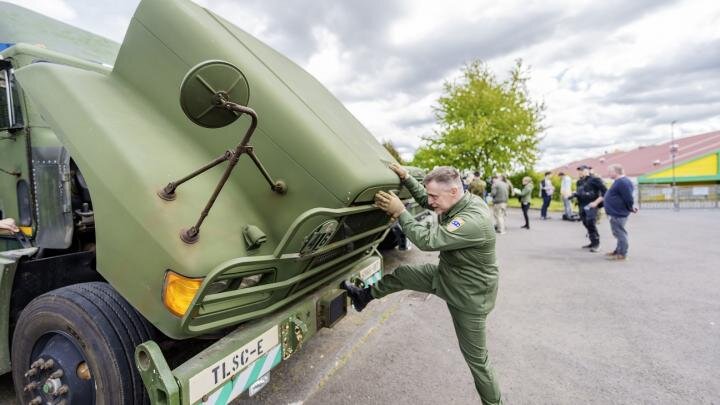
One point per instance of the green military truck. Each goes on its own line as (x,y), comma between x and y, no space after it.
(189,203)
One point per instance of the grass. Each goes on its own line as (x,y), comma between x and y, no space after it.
(536,203)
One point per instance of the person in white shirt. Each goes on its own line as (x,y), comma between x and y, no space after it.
(565,193)
(546,192)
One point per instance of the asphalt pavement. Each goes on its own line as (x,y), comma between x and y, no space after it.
(569,327)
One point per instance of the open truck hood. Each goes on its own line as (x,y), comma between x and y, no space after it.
(129,136)
(297,114)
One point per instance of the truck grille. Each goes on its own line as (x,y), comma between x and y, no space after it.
(293,274)
(349,226)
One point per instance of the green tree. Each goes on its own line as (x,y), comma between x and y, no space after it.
(485,124)
(391,149)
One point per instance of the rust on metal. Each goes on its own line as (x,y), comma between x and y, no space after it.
(83,371)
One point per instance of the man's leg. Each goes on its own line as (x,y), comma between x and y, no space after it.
(496,216)
(543,209)
(417,278)
(406,277)
(622,235)
(568,207)
(501,218)
(613,229)
(525,208)
(470,331)
(400,237)
(591,221)
(586,224)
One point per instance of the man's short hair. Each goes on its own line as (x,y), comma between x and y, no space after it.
(477,174)
(445,175)
(617,168)
(546,173)
(561,174)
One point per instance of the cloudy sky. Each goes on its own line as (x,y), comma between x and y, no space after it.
(612,73)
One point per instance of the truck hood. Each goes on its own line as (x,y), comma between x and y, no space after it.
(297,114)
(128,134)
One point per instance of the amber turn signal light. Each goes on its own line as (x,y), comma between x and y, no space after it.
(179,291)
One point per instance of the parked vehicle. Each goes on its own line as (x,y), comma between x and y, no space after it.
(189,205)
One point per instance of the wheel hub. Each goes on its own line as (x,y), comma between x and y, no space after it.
(59,374)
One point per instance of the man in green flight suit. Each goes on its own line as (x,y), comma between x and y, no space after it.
(467,275)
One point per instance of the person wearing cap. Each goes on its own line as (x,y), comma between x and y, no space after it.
(589,192)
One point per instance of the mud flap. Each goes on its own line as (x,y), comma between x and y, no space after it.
(8,264)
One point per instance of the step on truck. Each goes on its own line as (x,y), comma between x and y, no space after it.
(189,202)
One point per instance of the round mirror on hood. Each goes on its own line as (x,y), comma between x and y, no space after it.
(205,87)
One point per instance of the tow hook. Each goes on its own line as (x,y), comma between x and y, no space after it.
(292,333)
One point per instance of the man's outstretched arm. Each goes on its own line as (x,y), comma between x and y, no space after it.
(414,187)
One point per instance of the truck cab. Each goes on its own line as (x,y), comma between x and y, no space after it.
(188,207)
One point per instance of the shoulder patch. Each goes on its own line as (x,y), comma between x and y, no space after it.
(454,224)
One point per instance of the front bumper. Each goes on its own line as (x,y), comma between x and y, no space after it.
(293,325)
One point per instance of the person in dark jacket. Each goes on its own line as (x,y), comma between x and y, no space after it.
(619,203)
(589,192)
(546,192)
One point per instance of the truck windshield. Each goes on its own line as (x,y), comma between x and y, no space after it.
(10,112)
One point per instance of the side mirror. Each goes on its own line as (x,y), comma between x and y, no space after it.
(214,94)
(204,89)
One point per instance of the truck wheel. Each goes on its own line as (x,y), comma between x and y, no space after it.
(75,345)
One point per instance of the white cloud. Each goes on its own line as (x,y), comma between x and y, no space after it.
(57,9)
(613,74)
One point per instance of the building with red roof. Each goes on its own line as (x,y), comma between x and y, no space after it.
(696,170)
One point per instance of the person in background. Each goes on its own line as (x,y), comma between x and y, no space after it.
(565,193)
(506,179)
(466,180)
(546,192)
(619,204)
(589,192)
(477,186)
(499,194)
(525,196)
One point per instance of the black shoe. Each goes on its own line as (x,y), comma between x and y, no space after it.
(594,248)
(588,246)
(359,296)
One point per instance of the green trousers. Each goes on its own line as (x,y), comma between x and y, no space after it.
(469,328)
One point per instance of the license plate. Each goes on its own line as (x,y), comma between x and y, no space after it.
(371,273)
(220,372)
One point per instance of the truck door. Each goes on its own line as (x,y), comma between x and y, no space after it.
(15,193)
(34,180)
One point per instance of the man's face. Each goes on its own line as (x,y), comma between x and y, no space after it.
(584,172)
(441,197)
(613,174)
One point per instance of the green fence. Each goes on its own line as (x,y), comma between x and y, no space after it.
(688,196)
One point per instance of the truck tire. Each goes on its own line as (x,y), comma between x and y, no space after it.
(77,344)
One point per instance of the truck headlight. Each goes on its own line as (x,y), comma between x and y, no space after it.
(179,291)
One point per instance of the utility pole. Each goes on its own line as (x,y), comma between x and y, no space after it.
(673,152)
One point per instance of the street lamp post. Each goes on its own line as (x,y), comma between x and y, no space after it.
(673,152)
